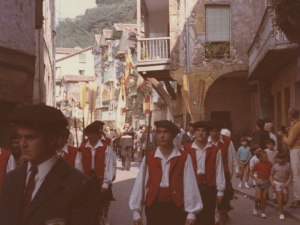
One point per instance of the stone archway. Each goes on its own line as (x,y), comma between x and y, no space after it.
(228,99)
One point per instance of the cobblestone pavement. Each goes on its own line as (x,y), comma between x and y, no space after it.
(120,213)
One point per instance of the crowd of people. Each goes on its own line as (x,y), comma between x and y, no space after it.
(56,175)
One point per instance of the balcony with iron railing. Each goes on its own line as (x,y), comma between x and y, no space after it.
(269,47)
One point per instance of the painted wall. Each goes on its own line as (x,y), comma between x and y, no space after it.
(17,24)
(71,66)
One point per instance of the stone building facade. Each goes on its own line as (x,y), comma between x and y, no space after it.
(26,56)
(209,28)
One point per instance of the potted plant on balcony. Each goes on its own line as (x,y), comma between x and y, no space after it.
(287,17)
(208,50)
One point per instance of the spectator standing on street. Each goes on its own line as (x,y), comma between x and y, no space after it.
(244,156)
(166,183)
(263,169)
(254,160)
(126,143)
(293,142)
(189,137)
(269,128)
(271,151)
(140,149)
(177,140)
(281,176)
(260,136)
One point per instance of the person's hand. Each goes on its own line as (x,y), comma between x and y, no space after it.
(189,222)
(280,133)
(114,177)
(237,175)
(273,184)
(286,185)
(249,138)
(138,222)
(219,199)
(257,182)
(103,190)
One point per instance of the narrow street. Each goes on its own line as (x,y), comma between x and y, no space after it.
(120,214)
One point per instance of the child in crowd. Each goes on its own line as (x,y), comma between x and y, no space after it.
(271,152)
(254,159)
(281,175)
(244,156)
(263,169)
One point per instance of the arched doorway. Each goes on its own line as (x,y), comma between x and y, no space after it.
(228,99)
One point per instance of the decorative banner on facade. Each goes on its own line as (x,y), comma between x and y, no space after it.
(128,66)
(146,105)
(82,92)
(201,92)
(92,95)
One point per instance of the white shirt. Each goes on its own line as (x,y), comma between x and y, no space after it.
(43,170)
(11,163)
(109,170)
(271,155)
(253,161)
(273,136)
(192,199)
(220,176)
(231,155)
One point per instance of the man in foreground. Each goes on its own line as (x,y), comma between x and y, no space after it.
(45,189)
(166,176)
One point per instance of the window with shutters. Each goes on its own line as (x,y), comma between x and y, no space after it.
(82,58)
(217,36)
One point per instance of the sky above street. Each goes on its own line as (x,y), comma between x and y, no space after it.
(72,8)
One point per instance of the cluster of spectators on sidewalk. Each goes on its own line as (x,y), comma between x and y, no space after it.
(270,165)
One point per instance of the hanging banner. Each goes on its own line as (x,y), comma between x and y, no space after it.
(201,92)
(146,105)
(82,93)
(92,95)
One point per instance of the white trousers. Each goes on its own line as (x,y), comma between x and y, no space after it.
(295,164)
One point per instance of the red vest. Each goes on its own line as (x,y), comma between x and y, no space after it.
(177,165)
(4,157)
(224,151)
(210,165)
(107,140)
(71,155)
(99,161)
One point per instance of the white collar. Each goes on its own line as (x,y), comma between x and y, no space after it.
(65,149)
(102,137)
(174,153)
(220,140)
(188,133)
(88,145)
(45,167)
(195,146)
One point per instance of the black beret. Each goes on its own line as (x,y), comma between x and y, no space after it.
(43,117)
(93,127)
(167,124)
(215,124)
(201,124)
(98,123)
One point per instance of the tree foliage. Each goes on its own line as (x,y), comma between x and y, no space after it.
(80,32)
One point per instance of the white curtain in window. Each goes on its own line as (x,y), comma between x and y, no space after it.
(217,23)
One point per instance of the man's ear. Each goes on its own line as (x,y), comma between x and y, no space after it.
(53,139)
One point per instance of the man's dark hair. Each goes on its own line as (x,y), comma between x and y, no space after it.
(260,123)
(294,112)
(270,141)
(253,148)
(260,153)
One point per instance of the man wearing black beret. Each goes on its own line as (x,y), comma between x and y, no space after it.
(97,162)
(208,167)
(45,189)
(166,176)
(229,164)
